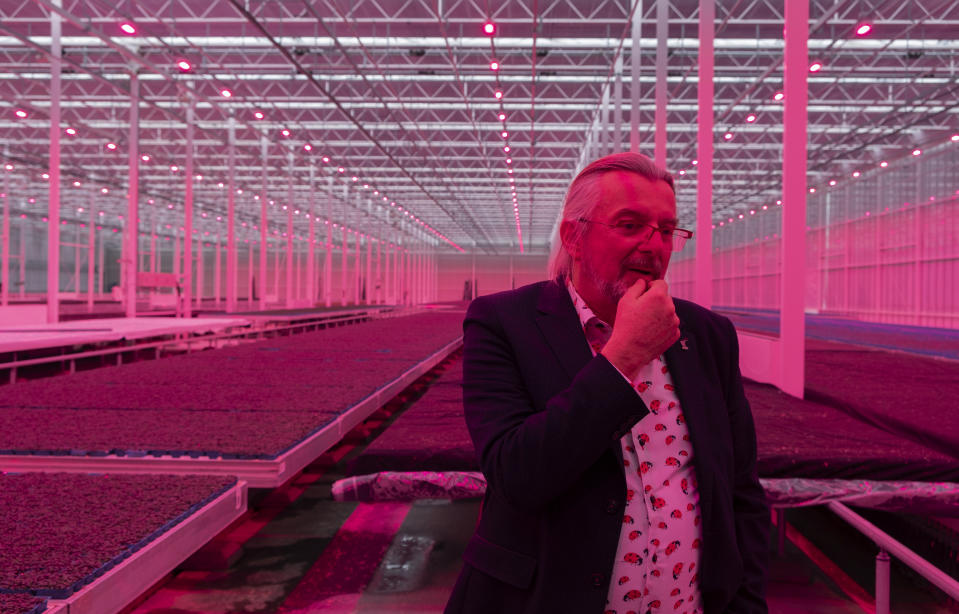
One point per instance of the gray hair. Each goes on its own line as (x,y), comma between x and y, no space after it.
(583,196)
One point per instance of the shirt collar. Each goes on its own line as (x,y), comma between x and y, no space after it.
(582,309)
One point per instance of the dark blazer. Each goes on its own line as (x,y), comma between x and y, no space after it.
(546,418)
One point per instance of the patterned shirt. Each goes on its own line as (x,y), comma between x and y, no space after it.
(657,560)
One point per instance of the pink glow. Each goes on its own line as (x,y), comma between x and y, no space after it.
(128,27)
(489,28)
(883,164)
(494,65)
(112,146)
(145,157)
(954,138)
(183,65)
(863,29)
(856,173)
(728,136)
(71,131)
(226,93)
(21,113)
(258,114)
(285,132)
(917,152)
(778,96)
(504,134)
(506,149)
(497,94)
(308,147)
(751,118)
(815,67)
(502,116)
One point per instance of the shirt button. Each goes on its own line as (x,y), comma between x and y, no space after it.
(612,506)
(598,580)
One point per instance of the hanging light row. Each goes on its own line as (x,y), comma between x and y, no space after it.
(185,66)
(834,182)
(862,29)
(489,29)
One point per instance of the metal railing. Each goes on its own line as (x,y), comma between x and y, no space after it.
(887,545)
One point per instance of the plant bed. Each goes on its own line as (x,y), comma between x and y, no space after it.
(61,531)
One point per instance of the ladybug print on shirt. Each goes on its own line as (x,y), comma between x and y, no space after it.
(660,539)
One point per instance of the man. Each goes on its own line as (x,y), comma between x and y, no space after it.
(621,473)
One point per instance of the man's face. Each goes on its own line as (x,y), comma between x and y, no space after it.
(609,263)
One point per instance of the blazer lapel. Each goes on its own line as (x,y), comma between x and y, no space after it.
(557,321)
(682,361)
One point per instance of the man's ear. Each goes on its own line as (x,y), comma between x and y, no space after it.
(567,228)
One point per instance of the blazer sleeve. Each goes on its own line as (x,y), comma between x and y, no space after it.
(751,511)
(533,450)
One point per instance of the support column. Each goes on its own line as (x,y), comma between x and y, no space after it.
(177,268)
(344,248)
(289,235)
(604,147)
(217,273)
(199,269)
(704,171)
(368,284)
(356,253)
(311,245)
(231,253)
(132,222)
(379,244)
(100,268)
(634,70)
(388,287)
(153,236)
(264,223)
(276,272)
(5,275)
(53,205)
(792,336)
(662,52)
(91,253)
(187,262)
(328,261)
(473,274)
(249,274)
(617,105)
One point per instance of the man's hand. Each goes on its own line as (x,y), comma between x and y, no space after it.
(646,325)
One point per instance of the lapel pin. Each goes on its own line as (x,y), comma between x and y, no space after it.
(682,344)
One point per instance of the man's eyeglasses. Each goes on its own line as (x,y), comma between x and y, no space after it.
(642,232)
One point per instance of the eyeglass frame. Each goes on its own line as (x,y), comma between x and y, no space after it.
(684,235)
